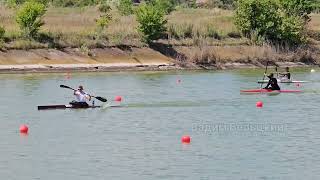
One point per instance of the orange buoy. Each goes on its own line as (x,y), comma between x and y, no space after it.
(186,139)
(118,98)
(24,129)
(259,104)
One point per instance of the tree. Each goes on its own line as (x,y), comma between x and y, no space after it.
(151,22)
(301,8)
(260,16)
(29,18)
(272,21)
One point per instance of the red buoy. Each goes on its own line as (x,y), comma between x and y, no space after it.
(118,98)
(298,84)
(259,104)
(186,139)
(24,129)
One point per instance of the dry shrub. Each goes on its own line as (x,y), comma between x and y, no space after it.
(214,23)
(203,56)
(26,44)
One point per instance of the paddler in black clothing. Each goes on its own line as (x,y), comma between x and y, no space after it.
(273,83)
(286,75)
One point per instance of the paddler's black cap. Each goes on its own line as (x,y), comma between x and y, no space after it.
(270,75)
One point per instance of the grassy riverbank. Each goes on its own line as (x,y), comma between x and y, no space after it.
(67,25)
(198,36)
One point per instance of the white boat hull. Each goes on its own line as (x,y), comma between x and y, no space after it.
(282,81)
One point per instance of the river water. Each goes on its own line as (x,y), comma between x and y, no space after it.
(230,137)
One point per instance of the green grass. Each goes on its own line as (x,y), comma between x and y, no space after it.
(76,27)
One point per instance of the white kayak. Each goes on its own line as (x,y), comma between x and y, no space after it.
(282,81)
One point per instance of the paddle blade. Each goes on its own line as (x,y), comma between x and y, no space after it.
(64,86)
(101,99)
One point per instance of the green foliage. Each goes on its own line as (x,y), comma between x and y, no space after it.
(316,6)
(151,22)
(259,16)
(166,6)
(2,32)
(292,30)
(299,8)
(125,7)
(272,21)
(29,18)
(103,21)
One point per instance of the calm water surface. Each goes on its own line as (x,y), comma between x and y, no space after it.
(231,138)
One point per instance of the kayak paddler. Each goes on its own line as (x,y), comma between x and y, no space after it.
(285,75)
(81,98)
(273,83)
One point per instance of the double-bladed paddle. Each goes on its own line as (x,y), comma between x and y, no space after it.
(97,97)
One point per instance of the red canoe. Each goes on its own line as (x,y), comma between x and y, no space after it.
(269,91)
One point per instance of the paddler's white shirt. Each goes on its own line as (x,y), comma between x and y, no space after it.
(81,96)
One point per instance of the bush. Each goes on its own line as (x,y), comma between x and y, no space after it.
(292,30)
(125,7)
(272,21)
(301,8)
(260,16)
(29,18)
(151,22)
(103,21)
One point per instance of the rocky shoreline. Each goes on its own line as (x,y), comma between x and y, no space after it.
(66,68)
(56,68)
(117,59)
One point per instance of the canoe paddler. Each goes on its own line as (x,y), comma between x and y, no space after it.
(286,75)
(273,83)
(81,98)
